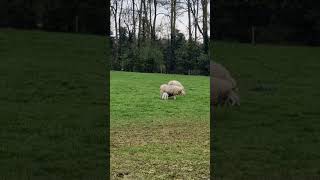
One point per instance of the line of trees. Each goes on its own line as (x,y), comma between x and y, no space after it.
(144,42)
(276,21)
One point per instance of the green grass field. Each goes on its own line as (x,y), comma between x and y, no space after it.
(275,132)
(158,139)
(52,114)
(52,105)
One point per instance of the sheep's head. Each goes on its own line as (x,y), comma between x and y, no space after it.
(179,91)
(183,93)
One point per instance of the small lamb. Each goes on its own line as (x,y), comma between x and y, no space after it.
(165,96)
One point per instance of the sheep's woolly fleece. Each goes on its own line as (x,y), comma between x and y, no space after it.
(177,83)
(223,93)
(174,89)
(221,72)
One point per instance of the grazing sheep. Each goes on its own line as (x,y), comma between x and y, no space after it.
(223,93)
(219,71)
(166,96)
(171,90)
(176,83)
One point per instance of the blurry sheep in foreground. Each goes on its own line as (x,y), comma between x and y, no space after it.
(223,93)
(219,71)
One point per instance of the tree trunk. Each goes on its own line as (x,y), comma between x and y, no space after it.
(154,20)
(205,26)
(115,12)
(173,35)
(253,37)
(196,20)
(119,28)
(145,20)
(133,20)
(116,26)
(77,24)
(119,18)
(195,14)
(150,20)
(140,23)
(189,20)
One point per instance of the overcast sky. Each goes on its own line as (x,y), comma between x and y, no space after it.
(163,22)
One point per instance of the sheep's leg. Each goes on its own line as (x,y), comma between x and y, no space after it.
(163,96)
(174,97)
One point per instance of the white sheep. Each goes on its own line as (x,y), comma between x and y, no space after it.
(222,92)
(171,90)
(176,83)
